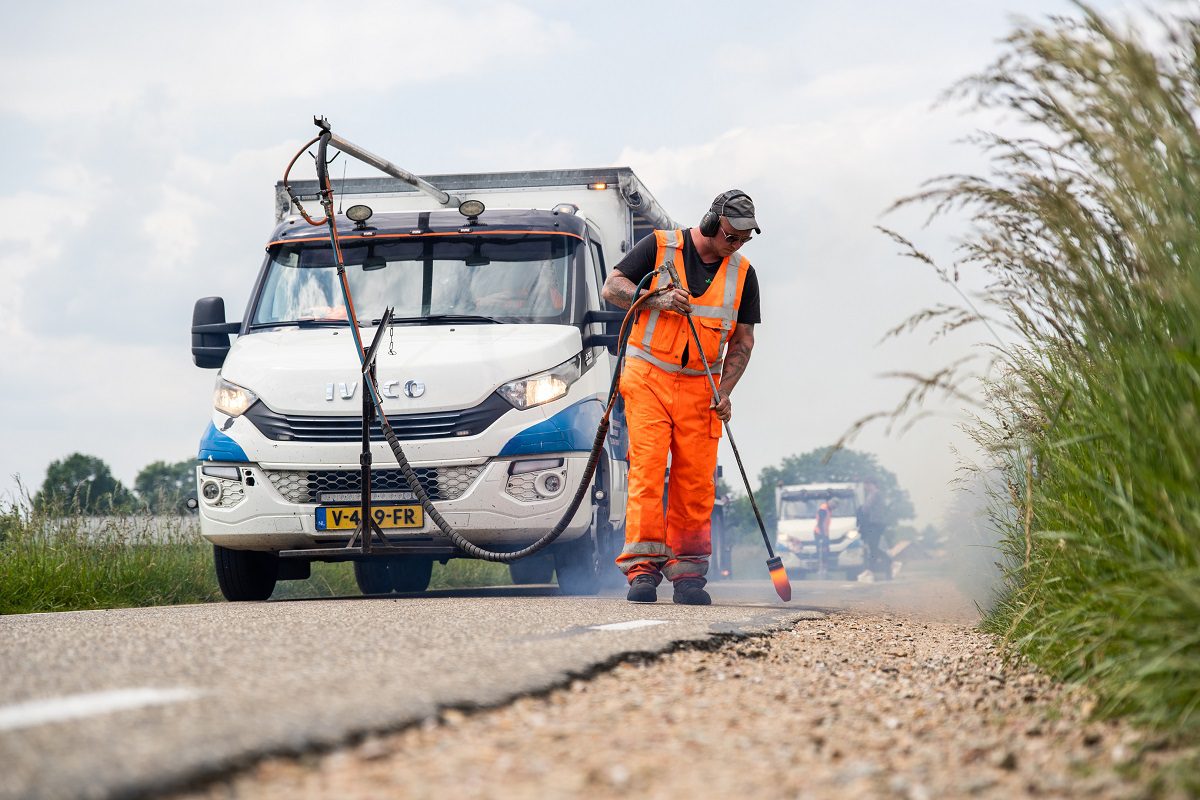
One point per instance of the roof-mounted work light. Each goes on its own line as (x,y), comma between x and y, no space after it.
(471,208)
(359,214)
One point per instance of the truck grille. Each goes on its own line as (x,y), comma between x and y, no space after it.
(440,483)
(408,427)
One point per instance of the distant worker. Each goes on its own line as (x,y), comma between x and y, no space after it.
(821,532)
(668,401)
(871,527)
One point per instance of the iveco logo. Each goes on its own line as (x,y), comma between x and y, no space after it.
(344,390)
(391,389)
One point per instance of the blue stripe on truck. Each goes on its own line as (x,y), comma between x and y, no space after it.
(572,428)
(216,446)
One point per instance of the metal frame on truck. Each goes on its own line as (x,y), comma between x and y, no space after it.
(252,455)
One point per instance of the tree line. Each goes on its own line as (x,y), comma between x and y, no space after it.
(821,465)
(85,484)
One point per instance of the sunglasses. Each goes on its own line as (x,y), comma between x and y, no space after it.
(736,241)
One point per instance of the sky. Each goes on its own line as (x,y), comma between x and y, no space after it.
(144,141)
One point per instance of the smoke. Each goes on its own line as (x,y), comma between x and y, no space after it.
(972,542)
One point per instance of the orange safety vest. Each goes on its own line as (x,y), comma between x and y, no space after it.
(821,526)
(662,338)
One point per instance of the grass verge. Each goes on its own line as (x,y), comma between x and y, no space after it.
(63,561)
(1090,231)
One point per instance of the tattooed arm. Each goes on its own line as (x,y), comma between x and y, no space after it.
(737,356)
(621,291)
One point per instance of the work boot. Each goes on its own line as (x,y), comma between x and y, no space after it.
(690,592)
(642,589)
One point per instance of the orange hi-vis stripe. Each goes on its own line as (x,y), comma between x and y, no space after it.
(349,237)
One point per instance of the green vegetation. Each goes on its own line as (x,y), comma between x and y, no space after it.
(816,466)
(1089,228)
(55,561)
(85,483)
(164,488)
(63,560)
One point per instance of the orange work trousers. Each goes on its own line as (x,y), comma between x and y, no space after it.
(668,413)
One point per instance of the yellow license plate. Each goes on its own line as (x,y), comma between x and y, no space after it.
(336,518)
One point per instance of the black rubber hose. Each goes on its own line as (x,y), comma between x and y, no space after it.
(405,468)
(473,549)
(584,485)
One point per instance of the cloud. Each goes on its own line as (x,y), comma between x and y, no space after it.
(832,284)
(148,156)
(239,54)
(33,225)
(129,404)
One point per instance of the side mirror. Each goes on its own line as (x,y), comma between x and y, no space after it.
(611,318)
(210,332)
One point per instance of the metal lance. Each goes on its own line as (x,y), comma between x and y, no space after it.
(774,564)
(374,407)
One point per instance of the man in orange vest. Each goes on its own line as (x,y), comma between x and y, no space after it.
(821,532)
(668,402)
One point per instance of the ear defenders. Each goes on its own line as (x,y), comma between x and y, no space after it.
(710,223)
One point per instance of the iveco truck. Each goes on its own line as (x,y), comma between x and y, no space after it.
(797,508)
(494,373)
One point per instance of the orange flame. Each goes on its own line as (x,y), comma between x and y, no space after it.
(779,577)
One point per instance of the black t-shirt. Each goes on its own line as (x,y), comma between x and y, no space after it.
(639,262)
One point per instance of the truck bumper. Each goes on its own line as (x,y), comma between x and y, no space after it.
(274,506)
(842,555)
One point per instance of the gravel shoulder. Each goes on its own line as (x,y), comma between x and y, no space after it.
(904,699)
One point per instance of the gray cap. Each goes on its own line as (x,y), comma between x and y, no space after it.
(737,207)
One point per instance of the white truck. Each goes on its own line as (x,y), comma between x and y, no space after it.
(493,373)
(797,508)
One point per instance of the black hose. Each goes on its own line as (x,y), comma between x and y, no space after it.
(584,485)
(473,549)
(326,194)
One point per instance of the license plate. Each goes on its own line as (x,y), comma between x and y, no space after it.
(335,518)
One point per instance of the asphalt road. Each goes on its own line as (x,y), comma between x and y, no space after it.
(135,701)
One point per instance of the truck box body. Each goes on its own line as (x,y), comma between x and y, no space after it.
(494,377)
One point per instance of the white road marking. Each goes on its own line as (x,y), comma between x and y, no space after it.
(59,709)
(628,626)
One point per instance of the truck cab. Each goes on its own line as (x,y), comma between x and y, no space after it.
(797,507)
(493,373)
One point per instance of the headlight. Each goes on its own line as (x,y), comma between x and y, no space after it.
(231,399)
(543,387)
(851,536)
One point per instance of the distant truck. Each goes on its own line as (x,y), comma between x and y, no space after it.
(494,375)
(796,509)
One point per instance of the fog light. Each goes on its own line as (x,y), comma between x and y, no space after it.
(548,484)
(211,491)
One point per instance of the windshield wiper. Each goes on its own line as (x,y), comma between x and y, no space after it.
(439,319)
(301,323)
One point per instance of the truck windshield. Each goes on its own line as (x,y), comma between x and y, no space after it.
(525,278)
(806,508)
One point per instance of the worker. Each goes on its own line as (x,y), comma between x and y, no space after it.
(871,526)
(821,532)
(669,405)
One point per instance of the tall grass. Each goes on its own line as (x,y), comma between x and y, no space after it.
(1090,231)
(58,559)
